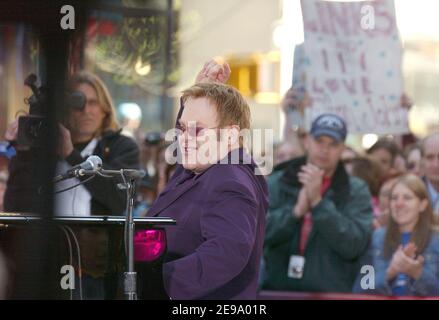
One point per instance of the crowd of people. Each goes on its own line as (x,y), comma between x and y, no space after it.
(378,208)
(330,209)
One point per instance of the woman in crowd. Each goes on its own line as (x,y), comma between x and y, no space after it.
(414,155)
(369,170)
(348,155)
(405,254)
(384,202)
(385,152)
(399,165)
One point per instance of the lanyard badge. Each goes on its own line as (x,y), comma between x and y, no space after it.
(296,266)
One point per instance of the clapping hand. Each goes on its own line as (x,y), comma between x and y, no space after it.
(311,177)
(405,261)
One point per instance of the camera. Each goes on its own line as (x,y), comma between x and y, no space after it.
(33,128)
(153,138)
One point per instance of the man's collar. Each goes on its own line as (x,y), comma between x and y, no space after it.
(434,194)
(110,133)
(235,156)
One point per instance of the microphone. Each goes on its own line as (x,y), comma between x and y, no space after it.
(89,166)
(93,163)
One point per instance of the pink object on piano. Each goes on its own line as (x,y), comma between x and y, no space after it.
(149,245)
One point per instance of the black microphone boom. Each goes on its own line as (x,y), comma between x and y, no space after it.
(90,166)
(132,174)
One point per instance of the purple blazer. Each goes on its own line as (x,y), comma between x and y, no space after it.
(215,249)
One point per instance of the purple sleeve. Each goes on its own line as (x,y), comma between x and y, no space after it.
(228,226)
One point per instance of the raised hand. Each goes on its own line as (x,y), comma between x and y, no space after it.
(406,102)
(12,131)
(214,72)
(311,177)
(410,250)
(403,263)
(65,146)
(302,204)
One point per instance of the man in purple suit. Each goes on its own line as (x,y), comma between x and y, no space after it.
(215,195)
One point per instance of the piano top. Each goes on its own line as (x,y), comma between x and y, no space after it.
(24,218)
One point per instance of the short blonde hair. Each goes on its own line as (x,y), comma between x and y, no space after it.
(231,107)
(104,98)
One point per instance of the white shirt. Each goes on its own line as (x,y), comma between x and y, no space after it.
(77,201)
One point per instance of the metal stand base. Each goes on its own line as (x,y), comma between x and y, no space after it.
(130,285)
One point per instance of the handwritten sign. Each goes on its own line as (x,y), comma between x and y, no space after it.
(353,64)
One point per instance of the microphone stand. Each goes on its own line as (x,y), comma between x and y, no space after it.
(129,177)
(130,276)
(74,174)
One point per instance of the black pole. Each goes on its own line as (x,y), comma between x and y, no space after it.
(36,275)
(166,101)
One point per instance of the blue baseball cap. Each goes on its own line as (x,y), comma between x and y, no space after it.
(330,125)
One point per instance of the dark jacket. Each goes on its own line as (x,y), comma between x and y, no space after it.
(215,249)
(117,152)
(342,225)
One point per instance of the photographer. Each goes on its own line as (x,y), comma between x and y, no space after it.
(89,130)
(86,130)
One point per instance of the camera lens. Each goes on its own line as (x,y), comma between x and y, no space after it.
(76,100)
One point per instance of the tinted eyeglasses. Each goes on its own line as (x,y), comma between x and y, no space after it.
(192,131)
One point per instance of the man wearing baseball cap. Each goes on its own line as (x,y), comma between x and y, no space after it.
(320,218)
